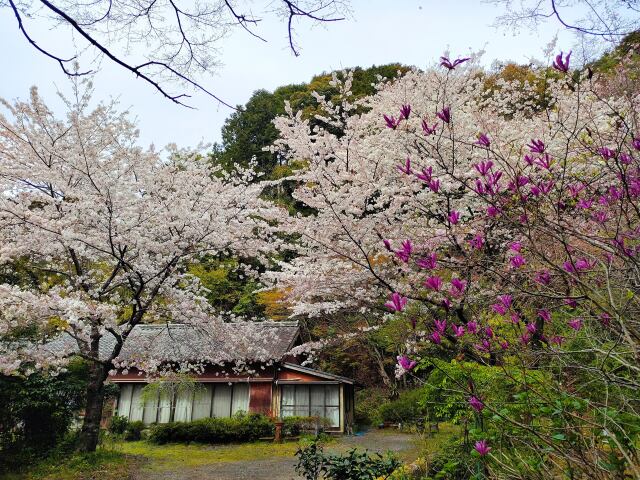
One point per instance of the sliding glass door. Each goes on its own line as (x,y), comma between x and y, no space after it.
(311,401)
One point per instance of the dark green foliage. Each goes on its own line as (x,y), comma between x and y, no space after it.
(453,462)
(133,430)
(239,428)
(118,425)
(36,411)
(250,129)
(353,465)
(407,408)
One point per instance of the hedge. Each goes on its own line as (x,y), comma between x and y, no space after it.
(239,428)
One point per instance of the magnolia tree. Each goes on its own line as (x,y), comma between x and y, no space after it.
(106,228)
(503,223)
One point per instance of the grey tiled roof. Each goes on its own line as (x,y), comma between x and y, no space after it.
(234,341)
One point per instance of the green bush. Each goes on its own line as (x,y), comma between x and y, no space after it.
(118,425)
(353,465)
(406,408)
(133,430)
(239,428)
(368,404)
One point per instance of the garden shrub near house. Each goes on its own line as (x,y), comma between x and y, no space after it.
(239,428)
(407,408)
(294,426)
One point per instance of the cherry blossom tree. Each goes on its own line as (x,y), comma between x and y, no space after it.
(507,221)
(107,228)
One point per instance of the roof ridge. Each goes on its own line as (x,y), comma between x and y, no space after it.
(275,323)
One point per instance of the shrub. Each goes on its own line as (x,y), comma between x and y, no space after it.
(239,428)
(368,403)
(133,430)
(406,408)
(353,465)
(118,425)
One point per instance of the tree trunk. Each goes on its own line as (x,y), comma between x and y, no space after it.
(88,439)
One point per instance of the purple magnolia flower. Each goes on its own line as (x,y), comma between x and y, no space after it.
(429,263)
(435,338)
(635,143)
(570,302)
(493,211)
(387,244)
(600,216)
(434,283)
(476,403)
(434,185)
(444,114)
(531,327)
(483,167)
(605,319)
(488,331)
(575,323)
(506,300)
(515,246)
(543,277)
(457,287)
(427,129)
(575,189)
(406,168)
(477,242)
(504,345)
(458,331)
(472,326)
(562,64)
(446,303)
(528,159)
(397,302)
(607,153)
(406,363)
(536,146)
(448,64)
(482,447)
(483,140)
(557,340)
(454,217)
(544,161)
(425,175)
(485,346)
(441,325)
(518,261)
(391,121)
(585,203)
(499,308)
(405,111)
(625,159)
(515,317)
(544,314)
(545,187)
(405,252)
(525,338)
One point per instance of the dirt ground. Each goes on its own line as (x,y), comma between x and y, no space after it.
(280,468)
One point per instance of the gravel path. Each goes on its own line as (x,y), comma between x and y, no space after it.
(282,468)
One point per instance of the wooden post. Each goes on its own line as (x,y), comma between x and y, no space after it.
(278,437)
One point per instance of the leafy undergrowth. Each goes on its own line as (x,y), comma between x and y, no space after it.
(427,447)
(100,465)
(177,456)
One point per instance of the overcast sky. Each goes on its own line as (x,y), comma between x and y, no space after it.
(412,32)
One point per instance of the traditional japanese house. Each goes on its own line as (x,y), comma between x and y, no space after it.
(240,367)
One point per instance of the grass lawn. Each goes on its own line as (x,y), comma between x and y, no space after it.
(176,456)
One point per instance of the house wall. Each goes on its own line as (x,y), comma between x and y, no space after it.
(260,398)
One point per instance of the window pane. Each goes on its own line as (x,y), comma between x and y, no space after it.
(222,400)
(124,403)
(202,402)
(288,395)
(136,403)
(317,395)
(183,406)
(317,411)
(150,410)
(164,415)
(302,395)
(287,412)
(333,395)
(240,398)
(333,414)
